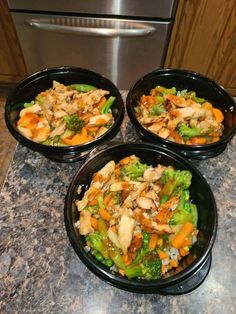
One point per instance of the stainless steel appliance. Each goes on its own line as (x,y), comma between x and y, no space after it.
(121,39)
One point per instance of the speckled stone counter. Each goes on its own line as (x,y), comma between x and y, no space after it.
(40,272)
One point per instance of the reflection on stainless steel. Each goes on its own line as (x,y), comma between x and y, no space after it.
(91,26)
(122,40)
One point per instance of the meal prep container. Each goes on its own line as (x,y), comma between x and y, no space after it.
(204,88)
(192,273)
(26,91)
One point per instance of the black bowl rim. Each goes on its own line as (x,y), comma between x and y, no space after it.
(100,270)
(195,75)
(63,149)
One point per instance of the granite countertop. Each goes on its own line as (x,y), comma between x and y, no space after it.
(40,272)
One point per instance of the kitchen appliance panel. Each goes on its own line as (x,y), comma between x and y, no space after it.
(121,58)
(149,8)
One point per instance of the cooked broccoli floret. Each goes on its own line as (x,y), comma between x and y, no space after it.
(147,264)
(185,211)
(156,110)
(175,181)
(134,169)
(152,268)
(95,241)
(188,132)
(73,122)
(148,268)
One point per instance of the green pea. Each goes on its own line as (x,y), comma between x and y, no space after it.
(108,262)
(99,257)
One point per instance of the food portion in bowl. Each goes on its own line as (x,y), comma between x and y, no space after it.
(138,219)
(180,116)
(67,115)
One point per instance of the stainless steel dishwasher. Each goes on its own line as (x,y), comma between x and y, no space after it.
(121,39)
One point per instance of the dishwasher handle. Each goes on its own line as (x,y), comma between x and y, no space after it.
(102,27)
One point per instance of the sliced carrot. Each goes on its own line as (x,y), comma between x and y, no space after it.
(183,252)
(101,121)
(104,214)
(215,139)
(125,160)
(160,242)
(162,254)
(93,202)
(187,242)
(110,203)
(78,139)
(188,142)
(29,120)
(101,103)
(198,140)
(183,233)
(153,241)
(92,128)
(176,136)
(147,101)
(67,141)
(94,223)
(107,199)
(174,263)
(207,106)
(84,132)
(127,259)
(218,115)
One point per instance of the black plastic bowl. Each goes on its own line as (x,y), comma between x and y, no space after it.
(205,88)
(40,81)
(201,195)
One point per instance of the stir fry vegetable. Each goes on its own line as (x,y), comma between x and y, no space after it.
(180,116)
(138,219)
(67,115)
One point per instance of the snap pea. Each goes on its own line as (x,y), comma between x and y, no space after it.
(83,87)
(164,199)
(108,104)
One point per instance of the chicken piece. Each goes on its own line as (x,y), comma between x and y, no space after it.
(137,190)
(100,119)
(205,126)
(101,131)
(85,223)
(69,108)
(41,134)
(145,202)
(161,228)
(125,232)
(113,237)
(172,124)
(107,170)
(116,186)
(35,109)
(25,132)
(90,98)
(164,132)
(184,112)
(155,127)
(59,130)
(59,114)
(153,174)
